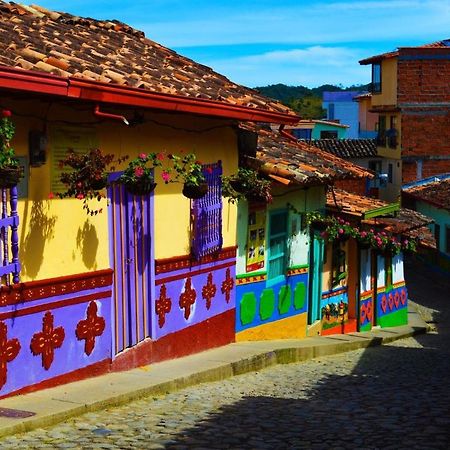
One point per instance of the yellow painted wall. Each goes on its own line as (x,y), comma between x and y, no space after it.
(289,328)
(388,95)
(57,237)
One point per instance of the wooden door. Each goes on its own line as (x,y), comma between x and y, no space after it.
(130,218)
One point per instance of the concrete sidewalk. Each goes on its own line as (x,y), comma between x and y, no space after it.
(57,404)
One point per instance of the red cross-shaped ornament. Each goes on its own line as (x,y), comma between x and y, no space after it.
(209,290)
(45,342)
(162,306)
(187,298)
(90,328)
(227,285)
(8,351)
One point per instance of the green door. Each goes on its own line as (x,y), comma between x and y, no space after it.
(315,278)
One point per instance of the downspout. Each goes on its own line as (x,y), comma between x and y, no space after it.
(104,115)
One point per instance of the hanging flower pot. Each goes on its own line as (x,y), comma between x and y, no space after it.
(142,188)
(10,176)
(319,225)
(195,191)
(99,184)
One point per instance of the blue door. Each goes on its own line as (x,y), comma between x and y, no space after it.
(315,278)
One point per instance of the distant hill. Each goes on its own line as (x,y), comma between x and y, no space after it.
(305,101)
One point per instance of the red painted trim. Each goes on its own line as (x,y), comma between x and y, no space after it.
(339,291)
(349,327)
(51,287)
(32,81)
(94,370)
(186,261)
(193,273)
(125,95)
(191,340)
(55,305)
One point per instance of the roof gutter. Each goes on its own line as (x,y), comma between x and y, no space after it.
(76,88)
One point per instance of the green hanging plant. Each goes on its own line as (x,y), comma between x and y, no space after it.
(246,184)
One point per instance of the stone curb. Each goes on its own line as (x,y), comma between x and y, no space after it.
(272,353)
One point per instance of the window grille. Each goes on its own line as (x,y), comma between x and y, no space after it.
(9,237)
(207,214)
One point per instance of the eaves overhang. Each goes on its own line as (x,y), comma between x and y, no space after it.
(77,88)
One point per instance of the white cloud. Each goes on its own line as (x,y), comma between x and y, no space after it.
(311,67)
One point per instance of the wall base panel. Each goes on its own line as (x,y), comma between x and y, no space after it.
(289,328)
(350,326)
(214,332)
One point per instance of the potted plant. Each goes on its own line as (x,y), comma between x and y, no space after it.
(87,177)
(246,184)
(317,220)
(189,171)
(10,170)
(138,177)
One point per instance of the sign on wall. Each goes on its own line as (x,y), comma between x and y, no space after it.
(78,139)
(256,240)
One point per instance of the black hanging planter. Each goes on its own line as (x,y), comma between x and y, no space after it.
(319,225)
(143,188)
(10,177)
(195,192)
(98,185)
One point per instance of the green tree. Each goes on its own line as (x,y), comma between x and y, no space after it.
(309,107)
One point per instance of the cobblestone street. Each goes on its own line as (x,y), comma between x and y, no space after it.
(391,397)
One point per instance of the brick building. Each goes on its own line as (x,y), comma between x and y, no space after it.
(411,95)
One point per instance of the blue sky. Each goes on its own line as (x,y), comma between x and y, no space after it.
(260,42)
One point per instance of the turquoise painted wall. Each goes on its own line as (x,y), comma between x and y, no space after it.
(440,216)
(318,127)
(263,301)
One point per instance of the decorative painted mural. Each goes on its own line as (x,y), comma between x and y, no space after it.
(392,305)
(259,304)
(189,292)
(334,310)
(366,311)
(55,328)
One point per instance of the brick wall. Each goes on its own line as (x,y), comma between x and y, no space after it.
(424,98)
(357,186)
(423,80)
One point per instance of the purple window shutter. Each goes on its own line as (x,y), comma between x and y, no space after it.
(207,214)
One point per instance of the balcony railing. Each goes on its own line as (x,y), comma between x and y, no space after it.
(387,138)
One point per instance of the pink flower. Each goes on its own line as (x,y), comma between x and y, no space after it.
(405,242)
(165,176)
(139,171)
(80,196)
(363,234)
(160,156)
(143,155)
(6,113)
(341,231)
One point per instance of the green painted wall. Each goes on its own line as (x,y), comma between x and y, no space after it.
(394,319)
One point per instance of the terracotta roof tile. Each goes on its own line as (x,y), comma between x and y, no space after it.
(347,148)
(34,38)
(302,163)
(445,43)
(406,221)
(436,193)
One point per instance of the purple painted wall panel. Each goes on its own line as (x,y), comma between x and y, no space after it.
(188,281)
(27,322)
